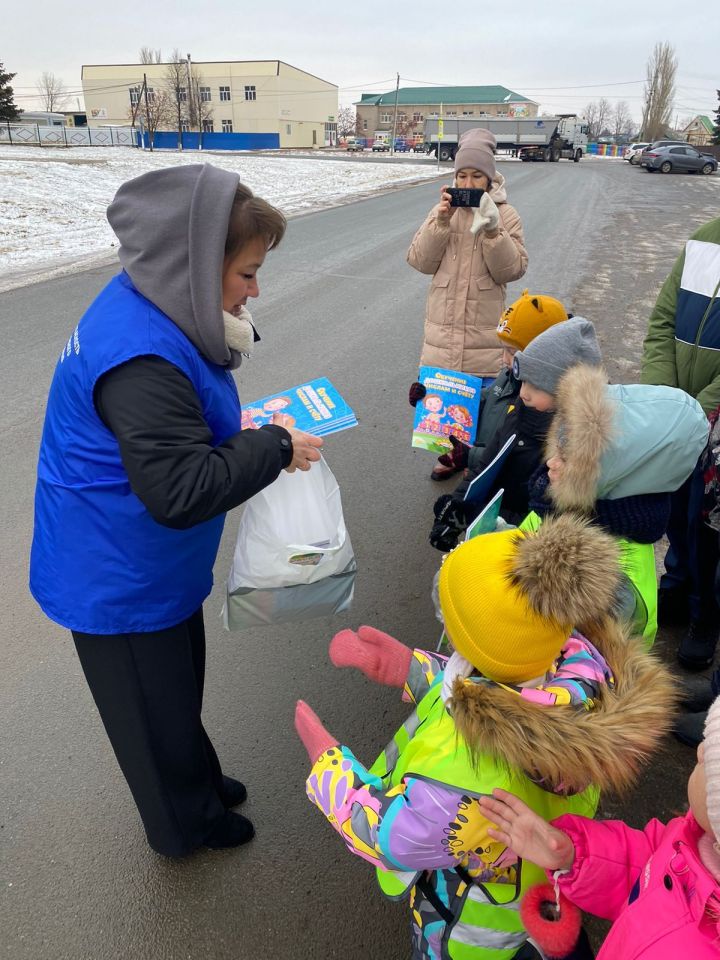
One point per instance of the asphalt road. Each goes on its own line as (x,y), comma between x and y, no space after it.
(77,880)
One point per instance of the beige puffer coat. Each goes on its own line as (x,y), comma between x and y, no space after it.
(467,294)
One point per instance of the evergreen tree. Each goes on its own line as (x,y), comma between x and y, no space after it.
(8,110)
(716,131)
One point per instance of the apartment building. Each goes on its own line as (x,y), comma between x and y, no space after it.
(266,97)
(375,112)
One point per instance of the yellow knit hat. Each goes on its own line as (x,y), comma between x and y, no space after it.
(510,600)
(529,316)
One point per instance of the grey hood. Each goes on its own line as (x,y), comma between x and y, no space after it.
(172,225)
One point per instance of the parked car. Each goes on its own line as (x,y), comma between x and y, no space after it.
(685,159)
(633,151)
(380,146)
(354,144)
(402,145)
(662,143)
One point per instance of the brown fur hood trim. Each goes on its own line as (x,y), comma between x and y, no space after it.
(580,432)
(566,745)
(568,570)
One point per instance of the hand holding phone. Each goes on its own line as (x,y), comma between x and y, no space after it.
(465,196)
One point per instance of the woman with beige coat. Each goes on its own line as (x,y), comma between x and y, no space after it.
(472,254)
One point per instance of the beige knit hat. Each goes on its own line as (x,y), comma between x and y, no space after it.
(711,762)
(477,152)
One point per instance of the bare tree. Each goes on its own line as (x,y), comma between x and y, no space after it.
(604,115)
(200,113)
(52,92)
(659,91)
(346,121)
(620,119)
(176,82)
(590,114)
(148,55)
(154,110)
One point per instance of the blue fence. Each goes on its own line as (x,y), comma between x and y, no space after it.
(167,140)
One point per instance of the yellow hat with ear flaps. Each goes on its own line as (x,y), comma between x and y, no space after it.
(530,315)
(510,600)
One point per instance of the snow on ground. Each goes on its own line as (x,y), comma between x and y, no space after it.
(53,202)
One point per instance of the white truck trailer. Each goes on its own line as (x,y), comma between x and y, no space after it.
(531,138)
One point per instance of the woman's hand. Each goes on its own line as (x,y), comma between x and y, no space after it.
(306,450)
(527,834)
(445,211)
(556,469)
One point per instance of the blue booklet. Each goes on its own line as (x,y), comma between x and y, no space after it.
(450,408)
(481,487)
(315,407)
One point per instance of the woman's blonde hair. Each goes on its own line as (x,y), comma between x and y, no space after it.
(252,218)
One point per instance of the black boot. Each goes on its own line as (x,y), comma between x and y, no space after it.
(673,607)
(233,793)
(690,728)
(697,647)
(232,830)
(696,694)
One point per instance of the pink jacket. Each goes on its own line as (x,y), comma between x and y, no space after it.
(651,882)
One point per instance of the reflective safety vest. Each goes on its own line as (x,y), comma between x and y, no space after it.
(454,914)
(637,561)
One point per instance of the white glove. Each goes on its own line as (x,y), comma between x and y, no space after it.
(485,217)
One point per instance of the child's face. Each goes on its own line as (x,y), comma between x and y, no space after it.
(467,177)
(240,275)
(697,792)
(434,404)
(536,399)
(507,356)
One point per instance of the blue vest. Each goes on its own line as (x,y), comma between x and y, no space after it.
(99,562)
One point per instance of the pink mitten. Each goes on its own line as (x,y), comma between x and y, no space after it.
(311,731)
(381,657)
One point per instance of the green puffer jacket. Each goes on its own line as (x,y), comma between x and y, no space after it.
(682,347)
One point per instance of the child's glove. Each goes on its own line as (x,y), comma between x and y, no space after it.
(416,393)
(458,456)
(381,657)
(487,215)
(450,523)
(313,734)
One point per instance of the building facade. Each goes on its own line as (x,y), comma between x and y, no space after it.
(264,97)
(375,112)
(699,131)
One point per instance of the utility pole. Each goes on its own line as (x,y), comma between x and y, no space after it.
(392,144)
(191,107)
(147,113)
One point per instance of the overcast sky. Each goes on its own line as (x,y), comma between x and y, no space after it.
(560,53)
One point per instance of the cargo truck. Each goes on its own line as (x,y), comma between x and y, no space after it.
(530,138)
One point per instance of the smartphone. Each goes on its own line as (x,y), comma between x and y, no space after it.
(465,196)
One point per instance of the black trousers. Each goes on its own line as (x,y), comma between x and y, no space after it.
(148,688)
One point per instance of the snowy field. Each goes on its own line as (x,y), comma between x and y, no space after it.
(52,203)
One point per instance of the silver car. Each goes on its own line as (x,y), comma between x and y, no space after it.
(681,159)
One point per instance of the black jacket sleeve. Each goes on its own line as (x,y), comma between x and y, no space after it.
(166,445)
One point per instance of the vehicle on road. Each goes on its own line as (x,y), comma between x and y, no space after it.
(531,138)
(633,152)
(678,159)
(354,144)
(661,143)
(380,145)
(402,145)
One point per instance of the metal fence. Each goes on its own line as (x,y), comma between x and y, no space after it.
(34,134)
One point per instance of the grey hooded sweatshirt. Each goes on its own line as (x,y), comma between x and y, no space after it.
(172,225)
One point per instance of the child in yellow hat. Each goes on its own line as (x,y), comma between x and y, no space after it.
(544,695)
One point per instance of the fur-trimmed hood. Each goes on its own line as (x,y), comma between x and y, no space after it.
(621,440)
(567,745)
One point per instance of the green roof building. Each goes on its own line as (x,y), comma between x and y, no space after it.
(699,131)
(375,111)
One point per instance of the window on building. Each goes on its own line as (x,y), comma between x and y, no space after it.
(205,94)
(402,117)
(502,113)
(468,113)
(250,93)
(182,94)
(134,96)
(364,124)
(288,128)
(225,93)
(208,126)
(227,126)
(386,118)
(185,126)
(417,117)
(451,113)
(150,95)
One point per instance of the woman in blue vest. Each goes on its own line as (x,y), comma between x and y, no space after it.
(141,457)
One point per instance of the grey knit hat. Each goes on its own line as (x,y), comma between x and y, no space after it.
(477,151)
(546,358)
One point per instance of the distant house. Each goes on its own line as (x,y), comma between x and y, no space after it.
(699,131)
(376,111)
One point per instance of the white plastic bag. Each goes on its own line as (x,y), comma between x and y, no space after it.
(293,557)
